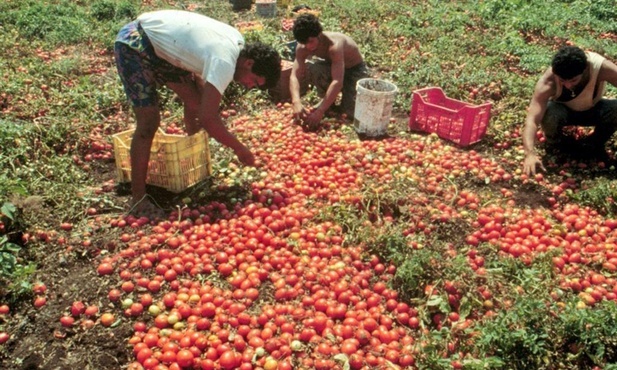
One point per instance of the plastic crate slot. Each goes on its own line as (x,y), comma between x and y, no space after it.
(176,162)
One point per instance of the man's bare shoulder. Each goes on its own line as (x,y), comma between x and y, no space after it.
(546,84)
(547,78)
(608,72)
(338,37)
(301,52)
(342,44)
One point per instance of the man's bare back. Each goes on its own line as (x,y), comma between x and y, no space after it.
(330,43)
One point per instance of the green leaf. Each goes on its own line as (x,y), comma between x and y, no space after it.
(390,365)
(343,359)
(434,301)
(10,247)
(465,308)
(9,209)
(7,262)
(25,285)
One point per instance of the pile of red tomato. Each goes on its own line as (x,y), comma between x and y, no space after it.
(263,284)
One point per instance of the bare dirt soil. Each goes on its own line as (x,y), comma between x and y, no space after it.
(68,270)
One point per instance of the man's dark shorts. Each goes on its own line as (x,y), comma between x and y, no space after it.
(140,69)
(320,76)
(603,116)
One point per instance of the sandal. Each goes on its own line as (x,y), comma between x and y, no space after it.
(147,207)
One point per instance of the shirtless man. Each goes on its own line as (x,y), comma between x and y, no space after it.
(340,68)
(571,93)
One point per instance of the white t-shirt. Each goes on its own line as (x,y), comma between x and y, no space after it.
(195,43)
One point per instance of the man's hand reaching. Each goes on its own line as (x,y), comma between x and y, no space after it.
(245,156)
(299,112)
(531,163)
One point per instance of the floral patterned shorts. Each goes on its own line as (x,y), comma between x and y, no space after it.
(140,69)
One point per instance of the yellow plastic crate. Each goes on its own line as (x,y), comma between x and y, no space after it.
(316,13)
(176,161)
(249,26)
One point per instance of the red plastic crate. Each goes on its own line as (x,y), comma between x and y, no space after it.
(462,123)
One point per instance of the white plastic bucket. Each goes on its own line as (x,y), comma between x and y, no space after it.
(374,101)
(266,8)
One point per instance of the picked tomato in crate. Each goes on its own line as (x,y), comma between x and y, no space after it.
(176,161)
(454,120)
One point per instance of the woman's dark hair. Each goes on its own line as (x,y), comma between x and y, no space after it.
(569,62)
(305,26)
(267,62)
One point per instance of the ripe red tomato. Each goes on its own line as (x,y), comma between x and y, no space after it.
(168,356)
(114,295)
(40,302)
(348,347)
(107,319)
(184,358)
(67,321)
(91,311)
(143,354)
(356,361)
(228,360)
(406,360)
(39,288)
(414,322)
(105,268)
(77,308)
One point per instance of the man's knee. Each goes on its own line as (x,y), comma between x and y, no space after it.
(348,102)
(319,75)
(148,121)
(554,119)
(608,113)
(144,133)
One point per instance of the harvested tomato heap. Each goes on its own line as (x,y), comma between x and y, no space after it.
(267,284)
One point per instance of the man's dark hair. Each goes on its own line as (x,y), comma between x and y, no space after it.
(267,62)
(305,26)
(569,62)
